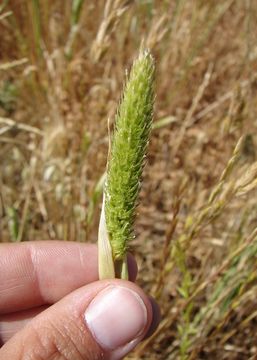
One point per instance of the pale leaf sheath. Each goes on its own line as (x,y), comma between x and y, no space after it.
(105,259)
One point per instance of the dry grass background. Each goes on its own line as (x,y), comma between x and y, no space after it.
(62,66)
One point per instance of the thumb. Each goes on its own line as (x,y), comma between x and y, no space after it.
(103,320)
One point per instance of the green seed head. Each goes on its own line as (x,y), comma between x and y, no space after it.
(132,127)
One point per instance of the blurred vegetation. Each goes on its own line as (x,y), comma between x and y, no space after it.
(61,72)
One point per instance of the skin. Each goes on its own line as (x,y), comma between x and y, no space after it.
(45,288)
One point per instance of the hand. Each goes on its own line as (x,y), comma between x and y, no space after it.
(52,305)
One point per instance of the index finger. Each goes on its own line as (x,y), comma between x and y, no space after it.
(42,272)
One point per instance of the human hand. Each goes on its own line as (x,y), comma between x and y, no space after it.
(52,305)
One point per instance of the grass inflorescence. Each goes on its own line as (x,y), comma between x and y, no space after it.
(132,128)
(133,123)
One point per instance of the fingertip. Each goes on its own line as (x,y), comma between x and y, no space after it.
(118,317)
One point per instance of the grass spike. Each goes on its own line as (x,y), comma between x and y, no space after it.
(124,169)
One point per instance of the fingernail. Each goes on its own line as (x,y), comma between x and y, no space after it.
(116,317)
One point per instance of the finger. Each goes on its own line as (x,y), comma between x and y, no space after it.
(37,273)
(103,320)
(10,324)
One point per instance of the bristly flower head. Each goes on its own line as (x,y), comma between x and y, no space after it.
(131,134)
